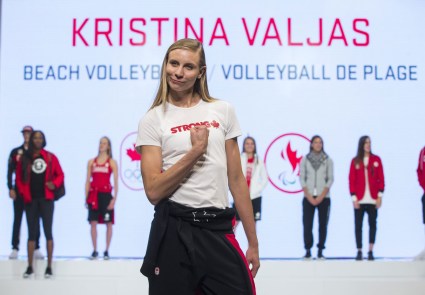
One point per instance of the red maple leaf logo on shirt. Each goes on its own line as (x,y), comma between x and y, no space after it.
(133,154)
(215,124)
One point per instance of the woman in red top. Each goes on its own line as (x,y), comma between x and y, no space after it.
(421,178)
(366,187)
(99,199)
(38,173)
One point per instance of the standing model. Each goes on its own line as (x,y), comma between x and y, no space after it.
(18,201)
(421,179)
(38,174)
(190,159)
(366,187)
(255,175)
(99,199)
(316,177)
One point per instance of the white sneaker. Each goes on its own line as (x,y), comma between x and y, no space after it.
(420,256)
(38,254)
(14,254)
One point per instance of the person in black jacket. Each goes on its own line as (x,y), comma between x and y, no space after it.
(18,202)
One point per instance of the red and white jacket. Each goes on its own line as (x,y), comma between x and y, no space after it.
(375,173)
(54,174)
(421,169)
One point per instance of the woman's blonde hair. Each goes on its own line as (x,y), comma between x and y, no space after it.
(200,87)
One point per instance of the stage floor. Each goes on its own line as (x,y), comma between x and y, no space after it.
(121,276)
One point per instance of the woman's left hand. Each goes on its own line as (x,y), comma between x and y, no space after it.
(253,259)
(111,204)
(50,185)
(378,203)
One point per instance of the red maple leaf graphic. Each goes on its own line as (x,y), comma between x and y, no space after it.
(215,124)
(133,154)
(292,157)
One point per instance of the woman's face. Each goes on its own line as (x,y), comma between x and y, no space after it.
(103,145)
(367,145)
(182,70)
(38,140)
(317,145)
(249,146)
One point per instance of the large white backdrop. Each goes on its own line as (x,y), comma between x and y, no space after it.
(79,70)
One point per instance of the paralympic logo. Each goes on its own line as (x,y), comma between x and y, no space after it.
(283,158)
(130,163)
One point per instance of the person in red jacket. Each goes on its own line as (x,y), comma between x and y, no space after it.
(366,187)
(99,199)
(18,201)
(421,179)
(38,174)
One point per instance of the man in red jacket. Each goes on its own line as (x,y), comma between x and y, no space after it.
(421,179)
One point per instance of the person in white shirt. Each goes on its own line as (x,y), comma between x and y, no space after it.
(190,158)
(255,174)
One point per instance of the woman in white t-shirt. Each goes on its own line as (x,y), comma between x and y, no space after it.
(190,159)
(255,175)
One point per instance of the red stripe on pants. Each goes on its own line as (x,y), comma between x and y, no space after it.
(232,239)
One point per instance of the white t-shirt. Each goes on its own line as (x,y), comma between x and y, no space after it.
(367,198)
(207,184)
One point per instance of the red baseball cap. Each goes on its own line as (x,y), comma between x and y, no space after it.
(27,128)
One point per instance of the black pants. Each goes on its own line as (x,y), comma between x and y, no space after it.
(308,217)
(423,208)
(18,212)
(194,251)
(217,266)
(372,213)
(40,208)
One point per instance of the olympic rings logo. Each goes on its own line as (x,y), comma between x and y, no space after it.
(133,175)
(130,173)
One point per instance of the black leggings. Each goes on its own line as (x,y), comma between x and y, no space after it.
(372,213)
(18,210)
(423,208)
(40,208)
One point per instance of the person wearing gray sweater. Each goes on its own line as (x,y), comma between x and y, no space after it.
(316,177)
